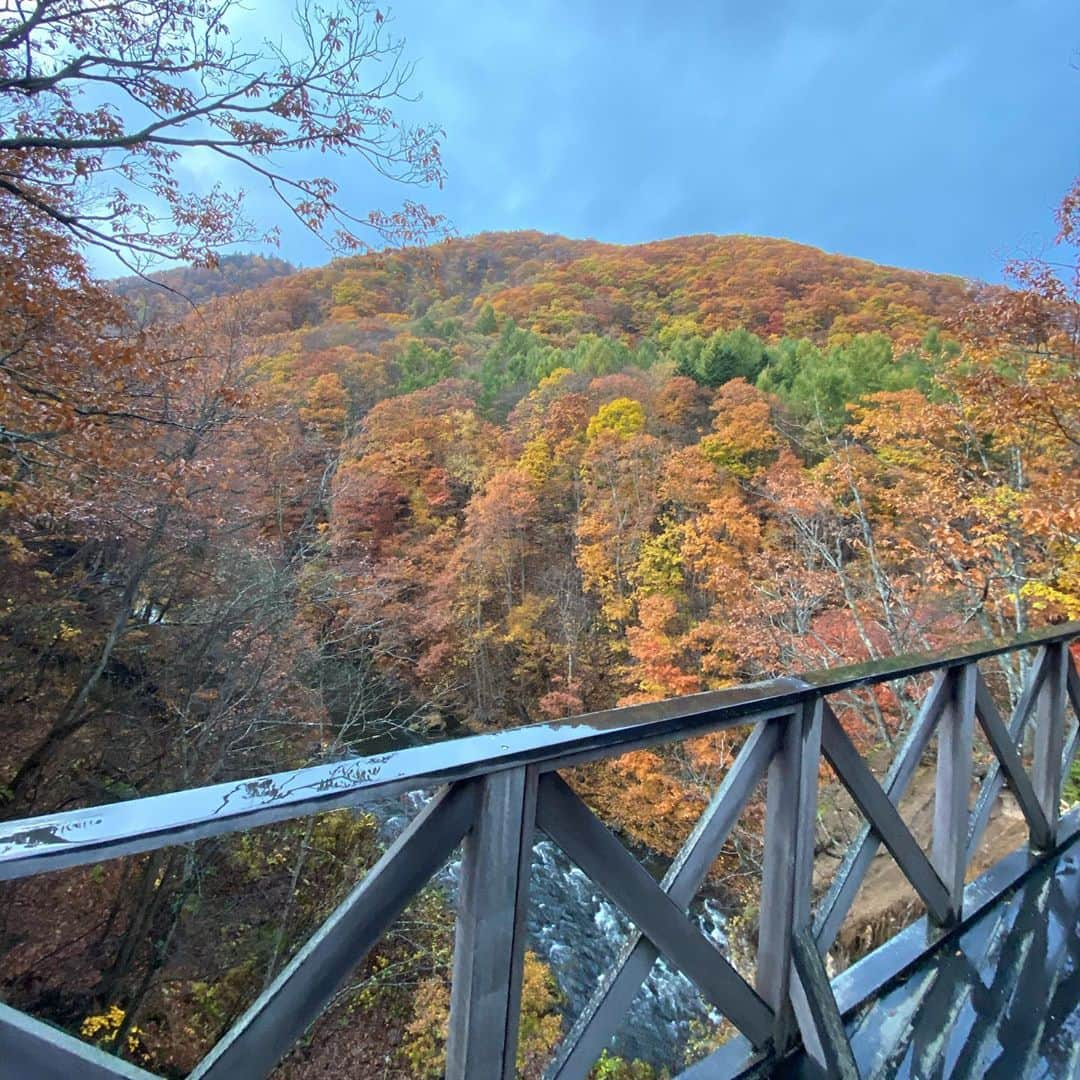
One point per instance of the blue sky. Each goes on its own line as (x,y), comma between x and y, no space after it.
(935,135)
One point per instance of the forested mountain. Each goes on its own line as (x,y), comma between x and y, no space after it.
(564,289)
(561,475)
(172,294)
(489,481)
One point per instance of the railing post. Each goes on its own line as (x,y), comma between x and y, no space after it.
(1050,735)
(790,826)
(489,945)
(953,786)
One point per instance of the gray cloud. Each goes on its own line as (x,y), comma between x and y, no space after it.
(923,134)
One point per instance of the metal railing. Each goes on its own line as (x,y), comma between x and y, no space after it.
(497,789)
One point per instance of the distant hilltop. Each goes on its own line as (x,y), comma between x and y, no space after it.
(563,288)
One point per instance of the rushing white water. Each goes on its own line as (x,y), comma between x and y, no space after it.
(580,934)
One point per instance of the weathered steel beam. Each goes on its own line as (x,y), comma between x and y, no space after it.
(585,839)
(283,1012)
(78,837)
(953,788)
(605,1010)
(1012,767)
(790,825)
(890,668)
(833,908)
(883,817)
(32,1050)
(1050,733)
(489,946)
(994,779)
(820,1024)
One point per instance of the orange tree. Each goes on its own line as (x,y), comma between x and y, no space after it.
(105,428)
(149,619)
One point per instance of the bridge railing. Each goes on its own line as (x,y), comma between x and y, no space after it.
(497,790)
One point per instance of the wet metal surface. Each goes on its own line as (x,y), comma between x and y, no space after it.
(55,841)
(998,996)
(1001,1001)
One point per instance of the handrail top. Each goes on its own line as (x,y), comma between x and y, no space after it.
(904,665)
(52,841)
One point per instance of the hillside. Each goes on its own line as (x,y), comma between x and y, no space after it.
(170,294)
(503,310)
(566,288)
(488,482)
(602,454)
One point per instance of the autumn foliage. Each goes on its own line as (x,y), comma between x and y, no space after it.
(476,484)
(393,503)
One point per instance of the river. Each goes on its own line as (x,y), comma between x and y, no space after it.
(579,934)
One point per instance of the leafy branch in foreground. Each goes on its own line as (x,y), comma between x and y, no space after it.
(100,99)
